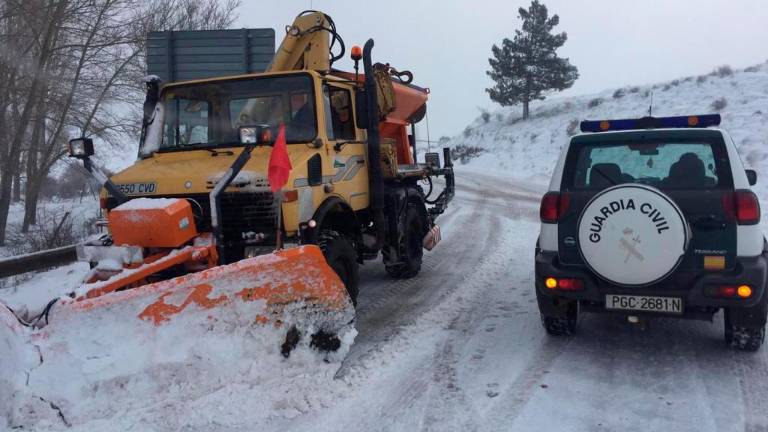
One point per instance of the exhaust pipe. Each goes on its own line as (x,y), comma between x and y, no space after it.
(374,147)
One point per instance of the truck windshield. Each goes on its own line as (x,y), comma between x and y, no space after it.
(209,115)
(662,164)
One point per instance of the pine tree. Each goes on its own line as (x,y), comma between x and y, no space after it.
(528,68)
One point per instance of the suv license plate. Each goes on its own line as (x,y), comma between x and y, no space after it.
(644,303)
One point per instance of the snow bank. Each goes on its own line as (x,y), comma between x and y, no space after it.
(103,357)
(33,294)
(529,149)
(15,356)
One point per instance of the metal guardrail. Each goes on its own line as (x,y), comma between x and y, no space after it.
(37,260)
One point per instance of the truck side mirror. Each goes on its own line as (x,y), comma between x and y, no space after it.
(361,109)
(751,176)
(81,148)
(432,160)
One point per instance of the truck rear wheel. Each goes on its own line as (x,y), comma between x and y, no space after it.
(410,248)
(340,254)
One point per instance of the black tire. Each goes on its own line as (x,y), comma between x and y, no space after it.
(340,253)
(562,325)
(410,247)
(742,338)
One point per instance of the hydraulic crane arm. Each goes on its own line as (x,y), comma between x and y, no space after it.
(307,44)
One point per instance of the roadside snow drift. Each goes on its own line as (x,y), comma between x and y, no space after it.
(179,339)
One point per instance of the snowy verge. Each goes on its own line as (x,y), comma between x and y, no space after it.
(173,342)
(529,149)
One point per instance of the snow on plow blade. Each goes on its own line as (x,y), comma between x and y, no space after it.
(192,334)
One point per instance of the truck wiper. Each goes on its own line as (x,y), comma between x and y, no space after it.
(215,152)
(340,145)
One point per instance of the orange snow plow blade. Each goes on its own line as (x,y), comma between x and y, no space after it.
(283,277)
(224,324)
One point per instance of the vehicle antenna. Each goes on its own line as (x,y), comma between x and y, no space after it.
(650,107)
(429,141)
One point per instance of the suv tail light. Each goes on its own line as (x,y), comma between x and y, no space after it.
(728,291)
(553,206)
(565,284)
(743,206)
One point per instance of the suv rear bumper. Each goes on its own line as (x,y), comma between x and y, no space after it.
(752,271)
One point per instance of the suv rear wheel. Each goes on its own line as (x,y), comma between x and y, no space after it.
(559,316)
(741,337)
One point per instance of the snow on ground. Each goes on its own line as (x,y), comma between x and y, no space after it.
(34,291)
(172,342)
(82,214)
(460,347)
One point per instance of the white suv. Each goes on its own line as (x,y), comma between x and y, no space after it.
(653,216)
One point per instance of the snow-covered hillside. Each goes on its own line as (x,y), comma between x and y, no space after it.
(529,149)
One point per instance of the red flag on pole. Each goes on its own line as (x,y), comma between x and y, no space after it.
(279,163)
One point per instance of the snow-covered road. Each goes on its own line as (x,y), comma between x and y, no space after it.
(460,347)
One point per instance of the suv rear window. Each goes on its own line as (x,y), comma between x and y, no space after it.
(662,164)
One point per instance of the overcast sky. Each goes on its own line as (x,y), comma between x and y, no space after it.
(446,43)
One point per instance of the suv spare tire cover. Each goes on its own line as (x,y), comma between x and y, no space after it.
(632,235)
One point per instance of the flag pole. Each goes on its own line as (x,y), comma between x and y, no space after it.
(279,199)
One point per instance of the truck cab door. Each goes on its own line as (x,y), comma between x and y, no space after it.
(346,147)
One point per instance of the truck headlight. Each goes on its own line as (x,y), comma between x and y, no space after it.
(249,135)
(81,148)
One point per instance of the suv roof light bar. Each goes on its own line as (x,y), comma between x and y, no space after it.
(693,121)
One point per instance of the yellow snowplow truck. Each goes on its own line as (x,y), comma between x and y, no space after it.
(199,239)
(354,189)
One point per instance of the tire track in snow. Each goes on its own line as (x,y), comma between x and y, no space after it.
(450,408)
(387,305)
(526,384)
(752,372)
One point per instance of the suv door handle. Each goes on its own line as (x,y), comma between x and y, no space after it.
(709,223)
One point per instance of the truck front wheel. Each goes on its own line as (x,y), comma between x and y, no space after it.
(341,256)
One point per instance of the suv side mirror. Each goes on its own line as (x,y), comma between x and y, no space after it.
(751,176)
(81,148)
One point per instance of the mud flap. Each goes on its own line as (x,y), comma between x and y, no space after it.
(432,238)
(203,330)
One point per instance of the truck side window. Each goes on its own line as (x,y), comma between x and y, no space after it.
(189,122)
(339,110)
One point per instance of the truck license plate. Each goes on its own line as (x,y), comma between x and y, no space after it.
(644,303)
(137,188)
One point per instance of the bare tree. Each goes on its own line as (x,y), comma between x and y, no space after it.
(74,67)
